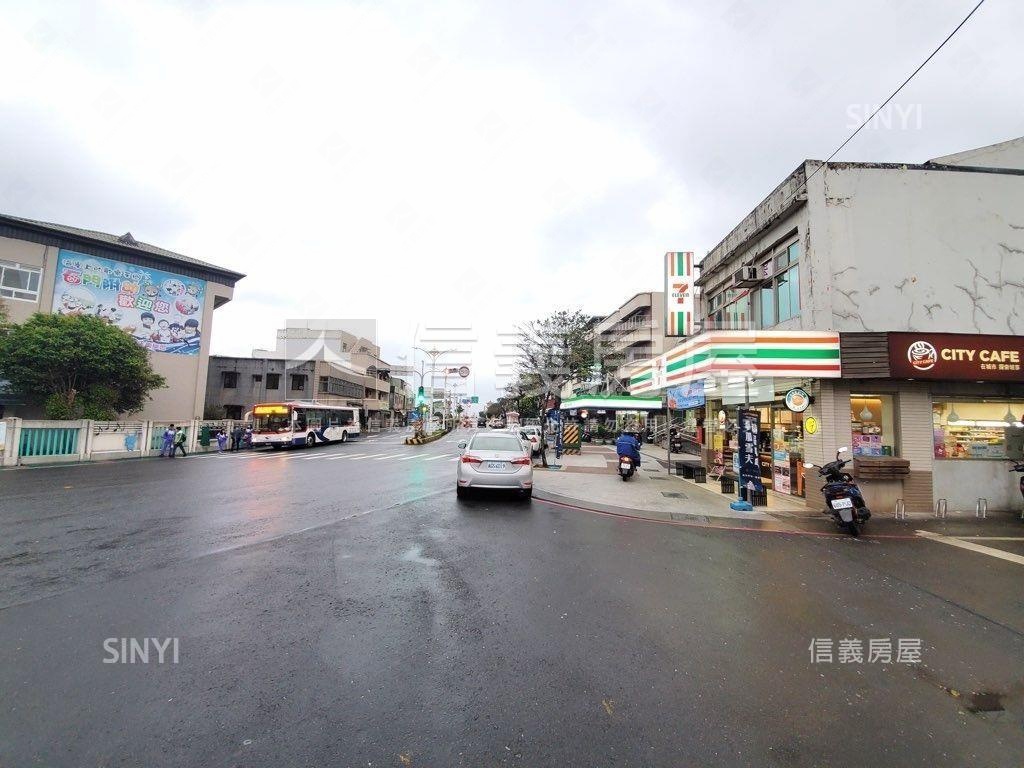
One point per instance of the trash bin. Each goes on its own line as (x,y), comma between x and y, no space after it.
(204,435)
(757,498)
(728,485)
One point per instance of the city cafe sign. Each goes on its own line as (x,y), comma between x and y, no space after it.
(956,356)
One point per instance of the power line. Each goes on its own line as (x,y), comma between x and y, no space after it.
(894,93)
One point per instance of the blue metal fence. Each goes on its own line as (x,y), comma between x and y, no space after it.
(48,441)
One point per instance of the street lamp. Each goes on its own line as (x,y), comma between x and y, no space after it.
(434,354)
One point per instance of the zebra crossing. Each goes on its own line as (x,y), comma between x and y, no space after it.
(369,454)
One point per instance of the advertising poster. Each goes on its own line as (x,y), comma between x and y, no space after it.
(686,396)
(749,460)
(780,471)
(161,310)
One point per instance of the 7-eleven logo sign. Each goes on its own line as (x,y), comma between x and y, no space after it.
(680,292)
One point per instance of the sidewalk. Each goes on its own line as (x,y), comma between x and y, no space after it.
(591,481)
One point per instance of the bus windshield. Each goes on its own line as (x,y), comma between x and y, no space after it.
(273,422)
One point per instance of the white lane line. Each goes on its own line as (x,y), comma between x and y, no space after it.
(347,456)
(407,458)
(456,458)
(438,456)
(991,538)
(955,542)
(387,456)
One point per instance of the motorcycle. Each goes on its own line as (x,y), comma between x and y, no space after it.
(626,467)
(843,497)
(1018,466)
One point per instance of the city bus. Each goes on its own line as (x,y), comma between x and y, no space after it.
(302,422)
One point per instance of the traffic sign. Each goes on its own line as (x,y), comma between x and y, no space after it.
(464,371)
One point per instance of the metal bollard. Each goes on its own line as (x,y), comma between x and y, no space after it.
(901,509)
(941,508)
(981,508)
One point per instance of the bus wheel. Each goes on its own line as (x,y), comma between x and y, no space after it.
(310,440)
(344,437)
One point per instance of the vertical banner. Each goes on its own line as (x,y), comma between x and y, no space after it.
(679,293)
(749,461)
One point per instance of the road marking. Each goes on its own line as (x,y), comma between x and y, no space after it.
(406,458)
(348,456)
(387,456)
(456,458)
(955,542)
(438,456)
(992,538)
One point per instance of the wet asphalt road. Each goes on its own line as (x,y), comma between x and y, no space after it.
(344,610)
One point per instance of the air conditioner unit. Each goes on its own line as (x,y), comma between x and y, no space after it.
(746,277)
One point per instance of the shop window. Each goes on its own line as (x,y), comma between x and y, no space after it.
(974,430)
(873,423)
(273,381)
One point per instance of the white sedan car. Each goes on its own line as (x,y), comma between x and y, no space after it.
(496,460)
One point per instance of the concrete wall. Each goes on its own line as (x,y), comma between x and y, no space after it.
(961,482)
(915,250)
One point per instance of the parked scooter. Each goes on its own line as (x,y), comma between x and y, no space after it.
(1018,466)
(843,497)
(626,467)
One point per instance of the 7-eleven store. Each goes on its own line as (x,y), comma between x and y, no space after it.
(759,367)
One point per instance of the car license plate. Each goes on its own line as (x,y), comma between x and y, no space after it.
(842,503)
(495,464)
(625,465)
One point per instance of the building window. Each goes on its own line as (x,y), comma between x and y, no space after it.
(257,378)
(230,379)
(873,422)
(974,430)
(779,299)
(298,382)
(325,382)
(232,411)
(273,381)
(19,282)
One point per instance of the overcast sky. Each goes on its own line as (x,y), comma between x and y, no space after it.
(466,164)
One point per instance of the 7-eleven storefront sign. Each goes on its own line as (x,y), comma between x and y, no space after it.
(809,354)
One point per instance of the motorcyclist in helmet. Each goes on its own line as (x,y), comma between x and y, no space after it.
(628,445)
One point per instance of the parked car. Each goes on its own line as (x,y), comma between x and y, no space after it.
(497,461)
(533,434)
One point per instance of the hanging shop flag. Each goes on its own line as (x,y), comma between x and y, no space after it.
(680,293)
(749,460)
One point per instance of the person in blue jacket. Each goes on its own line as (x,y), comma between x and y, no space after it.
(628,445)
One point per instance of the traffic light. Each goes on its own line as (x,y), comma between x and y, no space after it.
(420,397)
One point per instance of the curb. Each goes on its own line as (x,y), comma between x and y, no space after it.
(425,440)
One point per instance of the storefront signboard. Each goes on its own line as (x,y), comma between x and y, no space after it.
(797,399)
(810,425)
(161,310)
(680,292)
(750,464)
(956,356)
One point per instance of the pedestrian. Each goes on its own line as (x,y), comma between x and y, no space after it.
(179,443)
(248,437)
(168,446)
(222,441)
(236,437)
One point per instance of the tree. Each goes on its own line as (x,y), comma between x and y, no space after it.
(494,409)
(77,367)
(553,350)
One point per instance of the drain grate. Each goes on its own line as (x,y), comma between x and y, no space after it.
(674,495)
(653,477)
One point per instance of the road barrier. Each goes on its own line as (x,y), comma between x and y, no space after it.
(571,438)
(901,509)
(981,508)
(941,508)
